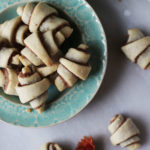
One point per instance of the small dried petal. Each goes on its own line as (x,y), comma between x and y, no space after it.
(86,144)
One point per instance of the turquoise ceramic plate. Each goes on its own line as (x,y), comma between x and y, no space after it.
(67,104)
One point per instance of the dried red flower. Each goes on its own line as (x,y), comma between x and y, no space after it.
(86,144)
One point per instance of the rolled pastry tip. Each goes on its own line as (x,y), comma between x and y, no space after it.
(47,19)
(38,48)
(50,146)
(8,81)
(30,11)
(52,42)
(25,12)
(134,146)
(24,61)
(21,34)
(55,23)
(124,132)
(137,48)
(14,31)
(130,141)
(32,88)
(30,57)
(7,57)
(134,34)
(20,10)
(73,67)
(134,49)
(45,71)
(46,45)
(116,122)
(43,49)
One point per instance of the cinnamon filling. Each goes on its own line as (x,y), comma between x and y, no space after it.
(70,71)
(121,125)
(31,15)
(82,64)
(83,50)
(65,83)
(136,59)
(126,43)
(133,142)
(52,77)
(58,29)
(6,78)
(53,146)
(14,33)
(26,58)
(55,40)
(53,14)
(148,65)
(42,65)
(40,105)
(113,119)
(44,43)
(35,98)
(25,75)
(32,52)
(26,34)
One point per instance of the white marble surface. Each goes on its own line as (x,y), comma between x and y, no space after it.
(126,89)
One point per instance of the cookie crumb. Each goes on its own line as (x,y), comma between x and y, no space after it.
(29,110)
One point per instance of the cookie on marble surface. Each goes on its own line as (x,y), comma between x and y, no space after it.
(124,132)
(137,48)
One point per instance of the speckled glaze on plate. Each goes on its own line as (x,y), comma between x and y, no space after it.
(70,102)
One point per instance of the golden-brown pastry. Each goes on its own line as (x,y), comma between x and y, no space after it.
(14,31)
(50,146)
(38,48)
(124,132)
(8,57)
(8,81)
(137,48)
(44,48)
(73,66)
(47,18)
(32,88)
(28,58)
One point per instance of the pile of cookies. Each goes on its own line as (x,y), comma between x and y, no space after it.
(31,57)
